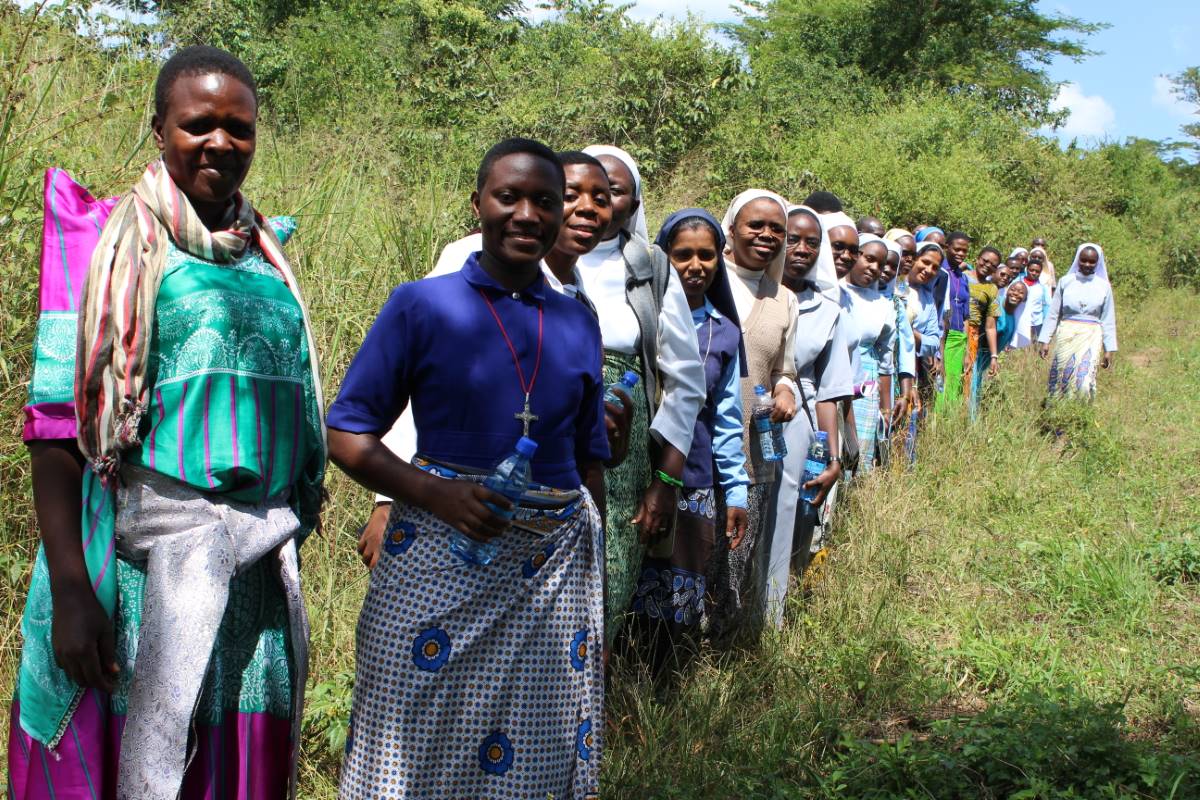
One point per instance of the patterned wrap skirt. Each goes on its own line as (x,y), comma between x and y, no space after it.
(242,725)
(624,486)
(867,421)
(669,600)
(1078,347)
(737,576)
(480,681)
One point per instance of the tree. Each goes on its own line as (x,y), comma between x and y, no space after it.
(1186,86)
(996,49)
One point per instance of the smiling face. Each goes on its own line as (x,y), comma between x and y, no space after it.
(890,265)
(520,208)
(694,255)
(956,252)
(1005,275)
(908,253)
(587,210)
(759,230)
(1088,260)
(207,138)
(623,190)
(803,245)
(986,265)
(925,267)
(1015,295)
(869,266)
(843,241)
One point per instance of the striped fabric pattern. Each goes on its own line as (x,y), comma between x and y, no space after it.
(119,298)
(71,228)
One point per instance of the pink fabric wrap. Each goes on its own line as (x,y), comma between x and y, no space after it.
(71,225)
(246,757)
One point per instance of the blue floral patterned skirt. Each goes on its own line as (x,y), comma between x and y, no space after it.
(480,681)
(669,601)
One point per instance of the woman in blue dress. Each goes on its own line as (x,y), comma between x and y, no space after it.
(482,681)
(671,594)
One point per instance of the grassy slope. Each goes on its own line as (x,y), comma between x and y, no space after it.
(1006,564)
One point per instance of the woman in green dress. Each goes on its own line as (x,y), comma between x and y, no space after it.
(165,634)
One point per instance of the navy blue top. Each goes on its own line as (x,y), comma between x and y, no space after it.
(436,344)
(719,338)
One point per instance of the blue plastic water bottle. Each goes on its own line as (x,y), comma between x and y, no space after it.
(510,479)
(814,465)
(627,382)
(761,420)
(777,441)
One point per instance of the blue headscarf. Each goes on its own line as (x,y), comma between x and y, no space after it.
(925,233)
(719,292)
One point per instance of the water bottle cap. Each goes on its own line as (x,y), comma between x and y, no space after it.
(760,389)
(822,436)
(526,446)
(631,379)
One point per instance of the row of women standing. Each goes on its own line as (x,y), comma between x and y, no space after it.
(178,449)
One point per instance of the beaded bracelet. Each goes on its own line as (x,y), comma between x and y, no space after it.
(667,479)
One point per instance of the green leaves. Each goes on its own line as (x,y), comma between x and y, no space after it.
(991,48)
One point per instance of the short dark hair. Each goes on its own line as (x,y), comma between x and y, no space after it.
(990,249)
(199,59)
(954,236)
(568,157)
(513,146)
(867,222)
(823,202)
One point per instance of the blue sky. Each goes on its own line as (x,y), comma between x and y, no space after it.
(1114,95)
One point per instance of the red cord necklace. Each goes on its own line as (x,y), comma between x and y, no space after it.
(525,416)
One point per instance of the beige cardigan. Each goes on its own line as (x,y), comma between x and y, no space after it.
(769,333)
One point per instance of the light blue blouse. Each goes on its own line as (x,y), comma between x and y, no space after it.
(1083,297)
(728,456)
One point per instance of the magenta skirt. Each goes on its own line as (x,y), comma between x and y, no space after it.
(244,758)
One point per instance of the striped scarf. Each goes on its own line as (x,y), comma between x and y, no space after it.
(116,317)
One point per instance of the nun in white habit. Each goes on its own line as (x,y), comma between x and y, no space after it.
(756,231)
(647,329)
(821,353)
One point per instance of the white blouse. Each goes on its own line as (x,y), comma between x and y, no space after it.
(602,276)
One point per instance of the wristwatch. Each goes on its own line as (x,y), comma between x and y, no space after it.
(832,459)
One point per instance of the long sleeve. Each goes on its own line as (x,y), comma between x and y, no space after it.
(907,361)
(680,369)
(784,368)
(1050,323)
(885,346)
(1108,321)
(728,456)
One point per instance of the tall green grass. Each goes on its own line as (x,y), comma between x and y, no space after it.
(1015,598)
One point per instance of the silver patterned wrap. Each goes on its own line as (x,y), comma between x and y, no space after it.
(193,544)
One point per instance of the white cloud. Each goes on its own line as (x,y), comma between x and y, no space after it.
(1164,97)
(1091,115)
